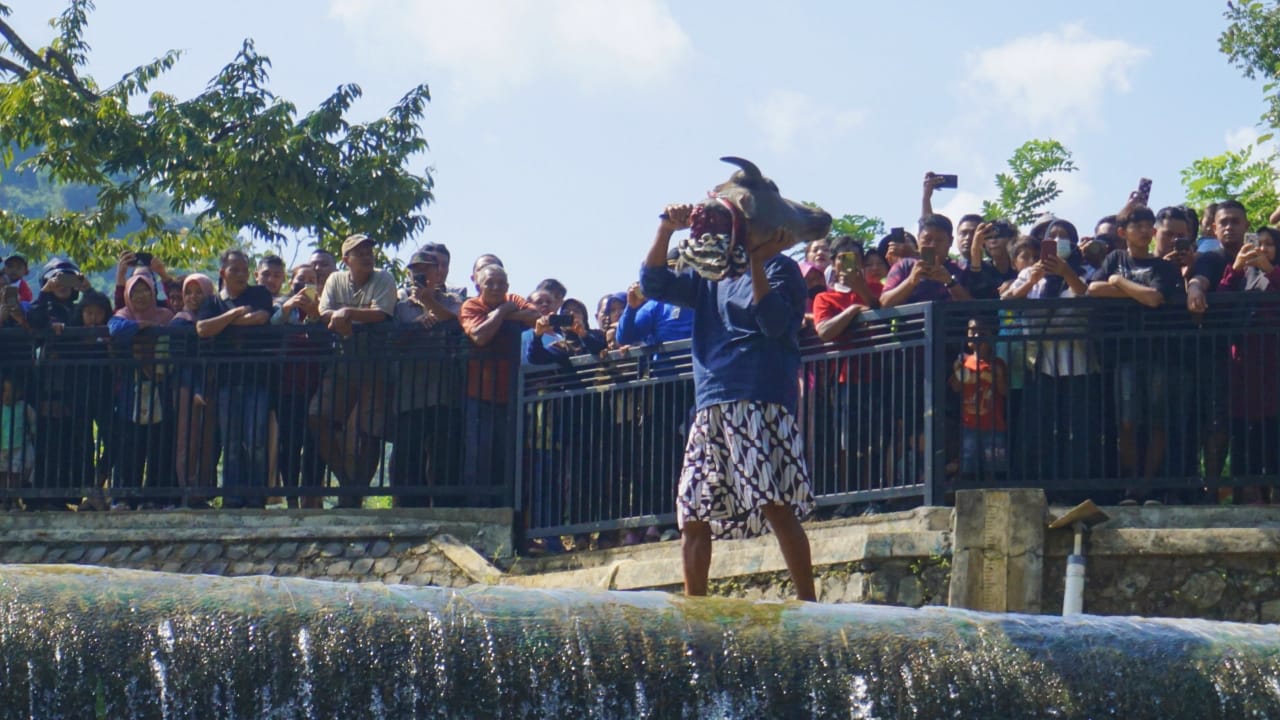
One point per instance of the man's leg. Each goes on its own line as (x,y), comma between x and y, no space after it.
(696,549)
(791,540)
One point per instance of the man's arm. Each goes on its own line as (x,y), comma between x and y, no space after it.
(656,279)
(215,325)
(900,284)
(1104,289)
(1150,297)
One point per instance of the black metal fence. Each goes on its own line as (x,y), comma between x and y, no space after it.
(163,418)
(1078,396)
(1083,397)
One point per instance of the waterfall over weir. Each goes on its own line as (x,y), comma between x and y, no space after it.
(80,642)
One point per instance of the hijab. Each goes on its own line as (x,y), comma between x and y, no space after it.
(157,315)
(205,284)
(1055,285)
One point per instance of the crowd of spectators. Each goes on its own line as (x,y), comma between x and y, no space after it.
(303,420)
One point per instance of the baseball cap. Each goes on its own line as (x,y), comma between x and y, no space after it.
(422,256)
(355,241)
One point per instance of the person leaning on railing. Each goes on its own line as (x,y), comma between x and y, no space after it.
(846,395)
(1060,438)
(428,399)
(494,321)
(196,418)
(1141,378)
(1254,365)
(146,418)
(348,412)
(242,405)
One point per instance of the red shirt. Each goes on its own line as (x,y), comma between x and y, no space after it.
(983,399)
(831,303)
(491,368)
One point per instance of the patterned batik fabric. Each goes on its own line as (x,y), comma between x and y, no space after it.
(740,457)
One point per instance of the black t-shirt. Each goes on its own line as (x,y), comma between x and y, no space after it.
(1152,272)
(231,340)
(254,296)
(984,282)
(1211,265)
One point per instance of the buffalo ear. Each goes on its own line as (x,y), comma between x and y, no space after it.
(747,202)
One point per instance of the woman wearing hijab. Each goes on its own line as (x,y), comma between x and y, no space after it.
(196,419)
(145,419)
(1063,394)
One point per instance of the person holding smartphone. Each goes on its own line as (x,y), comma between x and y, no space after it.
(932,277)
(990,267)
(1254,364)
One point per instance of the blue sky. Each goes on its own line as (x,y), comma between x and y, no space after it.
(558,128)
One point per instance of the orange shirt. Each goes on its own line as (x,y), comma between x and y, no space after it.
(983,400)
(491,368)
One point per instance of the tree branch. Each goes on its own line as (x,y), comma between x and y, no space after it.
(13,67)
(33,59)
(35,62)
(68,73)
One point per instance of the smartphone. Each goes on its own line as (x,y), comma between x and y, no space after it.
(67,280)
(561,321)
(310,291)
(420,280)
(142,259)
(949,182)
(1182,244)
(1143,193)
(847,262)
(1251,238)
(1047,248)
(929,256)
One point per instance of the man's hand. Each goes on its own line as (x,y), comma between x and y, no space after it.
(635,298)
(675,217)
(340,323)
(1197,303)
(1245,257)
(937,273)
(422,295)
(1050,265)
(981,235)
(542,326)
(931,183)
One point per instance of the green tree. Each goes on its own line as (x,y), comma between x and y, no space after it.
(1027,188)
(863,228)
(1251,42)
(236,152)
(1238,175)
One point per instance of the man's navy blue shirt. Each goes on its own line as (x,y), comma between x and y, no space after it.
(742,350)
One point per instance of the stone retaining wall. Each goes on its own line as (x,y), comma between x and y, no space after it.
(430,547)
(1217,563)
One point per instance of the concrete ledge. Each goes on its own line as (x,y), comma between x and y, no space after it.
(1182,542)
(659,565)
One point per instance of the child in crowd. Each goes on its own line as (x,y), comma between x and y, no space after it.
(17,454)
(15,269)
(982,379)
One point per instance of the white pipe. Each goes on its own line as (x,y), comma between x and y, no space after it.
(1073,594)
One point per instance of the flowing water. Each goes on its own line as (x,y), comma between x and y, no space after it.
(81,642)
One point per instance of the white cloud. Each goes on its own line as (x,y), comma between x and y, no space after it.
(958,203)
(1055,80)
(1244,137)
(488,46)
(786,116)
